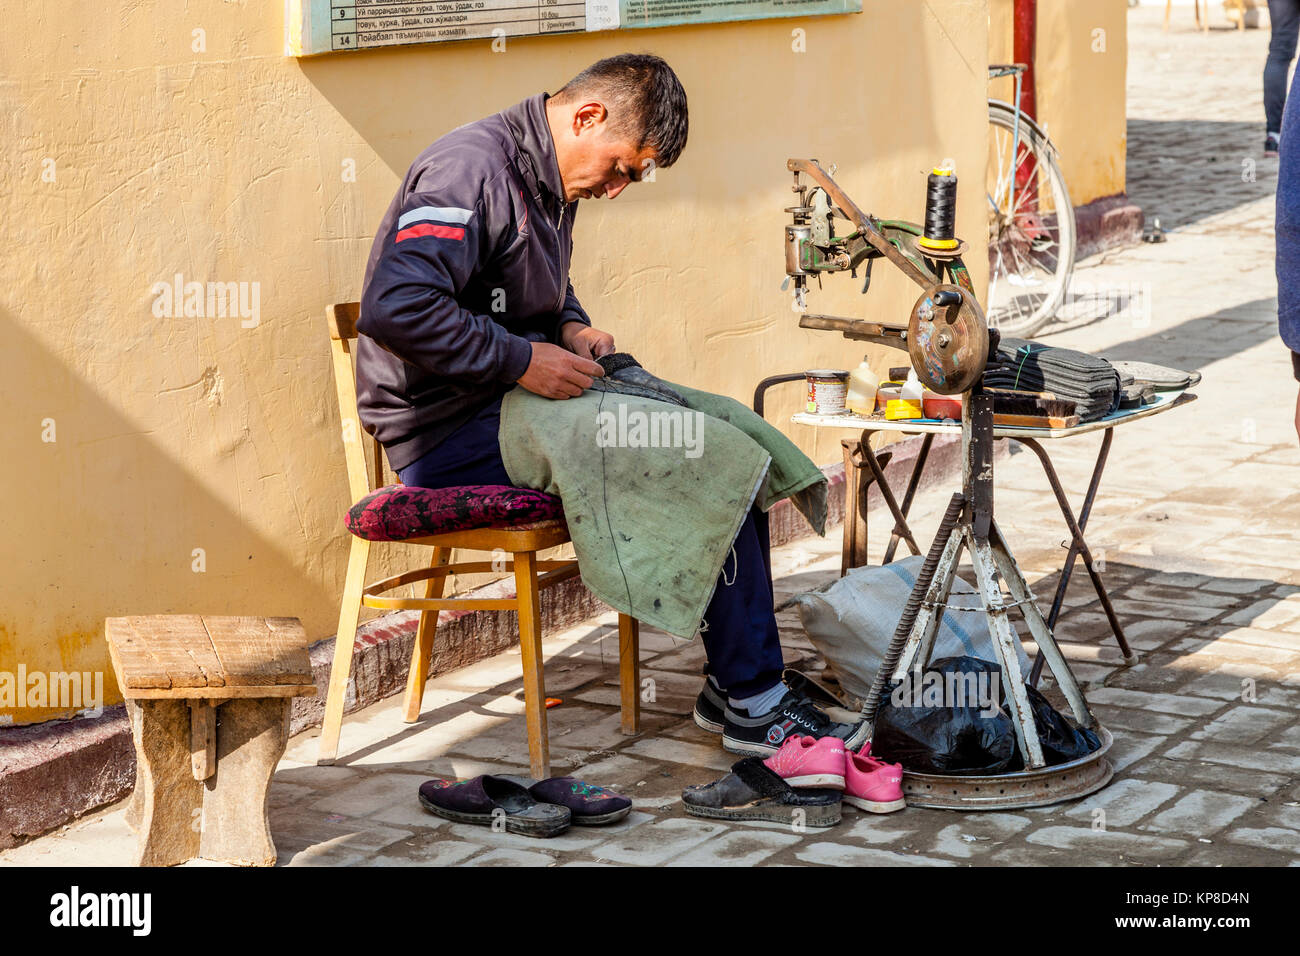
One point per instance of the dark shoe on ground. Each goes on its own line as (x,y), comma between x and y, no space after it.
(589,804)
(763,735)
(753,792)
(1270,145)
(710,709)
(487,798)
(807,686)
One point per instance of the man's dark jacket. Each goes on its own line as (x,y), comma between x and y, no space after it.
(470,265)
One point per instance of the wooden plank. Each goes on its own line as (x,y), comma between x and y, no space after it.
(162,651)
(203,738)
(229,692)
(260,650)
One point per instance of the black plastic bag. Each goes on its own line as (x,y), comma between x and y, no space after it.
(1062,739)
(970,732)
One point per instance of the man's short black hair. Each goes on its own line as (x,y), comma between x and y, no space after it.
(644,98)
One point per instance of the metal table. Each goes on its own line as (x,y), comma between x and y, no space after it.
(858,454)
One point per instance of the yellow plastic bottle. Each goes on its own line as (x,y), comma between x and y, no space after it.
(908,404)
(863,384)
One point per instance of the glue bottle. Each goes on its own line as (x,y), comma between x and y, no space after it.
(909,403)
(863,384)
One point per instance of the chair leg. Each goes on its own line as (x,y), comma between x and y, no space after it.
(423,650)
(349,613)
(530,645)
(629,672)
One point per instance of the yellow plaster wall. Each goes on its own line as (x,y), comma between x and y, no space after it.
(1082,54)
(131,157)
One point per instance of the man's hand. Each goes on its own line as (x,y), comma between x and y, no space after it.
(585,341)
(558,373)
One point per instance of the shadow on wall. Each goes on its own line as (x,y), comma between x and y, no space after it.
(105,521)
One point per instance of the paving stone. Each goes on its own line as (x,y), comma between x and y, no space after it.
(1179,612)
(836,854)
(1168,594)
(976,834)
(879,829)
(742,847)
(1143,721)
(1229,683)
(1245,723)
(1200,813)
(1282,640)
(1237,585)
(1130,749)
(1269,613)
(1124,802)
(1162,703)
(657,843)
(436,852)
(676,751)
(1271,761)
(1267,838)
(376,792)
(505,857)
(1197,773)
(1108,842)
(306,839)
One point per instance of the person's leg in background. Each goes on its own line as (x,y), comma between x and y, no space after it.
(1284,20)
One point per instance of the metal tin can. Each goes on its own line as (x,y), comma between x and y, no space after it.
(827,390)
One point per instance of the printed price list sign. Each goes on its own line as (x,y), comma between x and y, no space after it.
(332,26)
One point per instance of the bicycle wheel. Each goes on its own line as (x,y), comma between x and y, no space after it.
(1031,237)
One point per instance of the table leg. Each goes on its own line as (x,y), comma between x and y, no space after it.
(900,517)
(853,552)
(912,484)
(1077,539)
(251,736)
(166,808)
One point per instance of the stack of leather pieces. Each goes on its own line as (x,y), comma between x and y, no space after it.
(1090,382)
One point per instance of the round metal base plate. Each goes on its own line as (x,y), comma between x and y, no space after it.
(1024,788)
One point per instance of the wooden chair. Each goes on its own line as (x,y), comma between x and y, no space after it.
(531,576)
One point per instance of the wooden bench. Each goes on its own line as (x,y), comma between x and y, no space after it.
(209,701)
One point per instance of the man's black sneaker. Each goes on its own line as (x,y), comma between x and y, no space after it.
(710,709)
(793,716)
(1270,145)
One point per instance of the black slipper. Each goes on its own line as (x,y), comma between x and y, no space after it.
(486,798)
(590,805)
(754,792)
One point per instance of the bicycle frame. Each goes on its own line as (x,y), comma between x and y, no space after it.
(1018,71)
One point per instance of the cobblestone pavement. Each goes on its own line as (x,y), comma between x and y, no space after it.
(1195,525)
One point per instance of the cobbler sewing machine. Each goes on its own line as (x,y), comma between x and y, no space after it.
(949,344)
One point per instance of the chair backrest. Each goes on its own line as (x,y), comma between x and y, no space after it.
(342,319)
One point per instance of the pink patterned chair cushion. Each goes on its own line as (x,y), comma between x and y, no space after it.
(398,512)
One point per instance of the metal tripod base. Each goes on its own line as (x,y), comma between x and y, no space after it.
(1024,788)
(1038,784)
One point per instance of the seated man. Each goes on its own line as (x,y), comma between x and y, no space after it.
(467,295)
